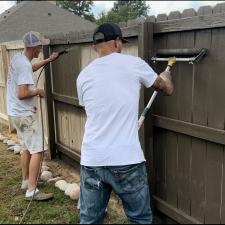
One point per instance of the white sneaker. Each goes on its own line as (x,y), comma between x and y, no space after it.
(38,196)
(24,185)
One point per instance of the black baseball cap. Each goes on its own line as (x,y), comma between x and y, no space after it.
(107,32)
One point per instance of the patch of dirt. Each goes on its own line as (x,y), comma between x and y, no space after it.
(61,169)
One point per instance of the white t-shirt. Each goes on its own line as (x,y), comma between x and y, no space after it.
(20,73)
(109,88)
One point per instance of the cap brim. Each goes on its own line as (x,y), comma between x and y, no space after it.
(125,41)
(45,41)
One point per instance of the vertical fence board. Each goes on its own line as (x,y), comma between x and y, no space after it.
(170,146)
(160,163)
(160,42)
(184,158)
(145,41)
(3,79)
(173,42)
(201,90)
(185,83)
(62,119)
(198,179)
(213,183)
(216,104)
(159,134)
(76,128)
(223,191)
(199,117)
(171,143)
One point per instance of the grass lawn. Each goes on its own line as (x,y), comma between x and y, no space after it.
(60,210)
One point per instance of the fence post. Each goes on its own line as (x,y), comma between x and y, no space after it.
(5,65)
(49,101)
(145,52)
(4,61)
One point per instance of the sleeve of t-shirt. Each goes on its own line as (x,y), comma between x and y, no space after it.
(24,74)
(145,73)
(80,93)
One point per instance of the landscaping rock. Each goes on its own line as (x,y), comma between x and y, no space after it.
(74,194)
(46,175)
(70,188)
(54,180)
(11,143)
(62,185)
(45,168)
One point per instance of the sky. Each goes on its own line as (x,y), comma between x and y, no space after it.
(157,7)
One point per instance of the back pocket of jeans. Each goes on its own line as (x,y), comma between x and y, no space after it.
(132,179)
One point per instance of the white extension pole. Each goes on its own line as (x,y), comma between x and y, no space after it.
(143,115)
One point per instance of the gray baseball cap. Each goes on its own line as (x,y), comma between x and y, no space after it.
(34,39)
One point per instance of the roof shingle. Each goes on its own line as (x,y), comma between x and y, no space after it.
(40,16)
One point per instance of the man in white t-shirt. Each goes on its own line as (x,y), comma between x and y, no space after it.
(111,155)
(21,94)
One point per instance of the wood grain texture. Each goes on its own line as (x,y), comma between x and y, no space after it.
(193,23)
(202,74)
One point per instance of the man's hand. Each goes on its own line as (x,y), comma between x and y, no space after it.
(164,83)
(41,93)
(54,56)
(166,75)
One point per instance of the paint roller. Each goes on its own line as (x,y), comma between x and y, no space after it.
(172,56)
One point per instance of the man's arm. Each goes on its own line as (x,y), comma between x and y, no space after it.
(24,92)
(164,83)
(38,65)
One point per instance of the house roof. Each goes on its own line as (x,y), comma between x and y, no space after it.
(40,16)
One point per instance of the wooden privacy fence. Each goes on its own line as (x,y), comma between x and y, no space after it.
(3,75)
(184,135)
(188,128)
(183,138)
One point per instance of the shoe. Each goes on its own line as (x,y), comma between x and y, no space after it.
(40,196)
(24,185)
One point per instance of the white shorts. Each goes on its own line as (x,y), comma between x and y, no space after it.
(29,133)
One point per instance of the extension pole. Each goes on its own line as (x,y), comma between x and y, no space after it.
(143,115)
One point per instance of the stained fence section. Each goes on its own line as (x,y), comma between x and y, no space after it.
(189,133)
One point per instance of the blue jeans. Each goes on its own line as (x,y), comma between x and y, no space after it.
(130,183)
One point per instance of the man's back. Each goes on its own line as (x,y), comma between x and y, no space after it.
(109,88)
